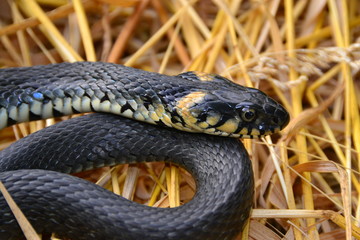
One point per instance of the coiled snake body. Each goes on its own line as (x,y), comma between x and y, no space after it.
(191,102)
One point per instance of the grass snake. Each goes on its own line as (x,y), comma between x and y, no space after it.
(32,169)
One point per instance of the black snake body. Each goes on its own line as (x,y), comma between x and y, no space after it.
(76,209)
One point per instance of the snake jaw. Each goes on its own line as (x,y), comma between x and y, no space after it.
(229,114)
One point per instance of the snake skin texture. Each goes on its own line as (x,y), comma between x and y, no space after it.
(76,209)
(187,102)
(35,168)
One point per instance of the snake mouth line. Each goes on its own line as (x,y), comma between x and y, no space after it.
(253,134)
(198,114)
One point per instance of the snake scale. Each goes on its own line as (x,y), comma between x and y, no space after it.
(192,102)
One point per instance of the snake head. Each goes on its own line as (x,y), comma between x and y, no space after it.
(236,112)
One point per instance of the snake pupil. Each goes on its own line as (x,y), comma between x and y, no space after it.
(248,114)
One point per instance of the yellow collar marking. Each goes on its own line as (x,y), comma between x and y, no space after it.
(183,108)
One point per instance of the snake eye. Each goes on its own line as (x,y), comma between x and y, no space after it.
(247,114)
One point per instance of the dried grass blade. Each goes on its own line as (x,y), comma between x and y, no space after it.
(24,224)
(49,29)
(84,30)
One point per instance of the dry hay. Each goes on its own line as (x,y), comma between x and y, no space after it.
(303,53)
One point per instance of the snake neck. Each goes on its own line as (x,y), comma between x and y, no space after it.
(190,102)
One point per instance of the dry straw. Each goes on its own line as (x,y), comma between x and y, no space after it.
(303,53)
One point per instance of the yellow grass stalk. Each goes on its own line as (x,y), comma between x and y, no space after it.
(196,19)
(24,47)
(122,39)
(84,30)
(289,191)
(54,3)
(57,13)
(158,188)
(180,48)
(215,51)
(297,106)
(170,47)
(130,182)
(10,48)
(238,27)
(116,186)
(155,37)
(240,61)
(49,29)
(24,224)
